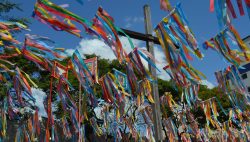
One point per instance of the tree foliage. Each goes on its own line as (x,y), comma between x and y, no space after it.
(104,66)
(7,6)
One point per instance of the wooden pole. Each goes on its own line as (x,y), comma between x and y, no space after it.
(155,92)
(79,113)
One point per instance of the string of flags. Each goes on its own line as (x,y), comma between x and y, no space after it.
(224,42)
(225,10)
(127,96)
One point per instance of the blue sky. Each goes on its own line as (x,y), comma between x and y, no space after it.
(129,14)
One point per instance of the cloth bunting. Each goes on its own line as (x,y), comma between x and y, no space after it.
(124,94)
(190,94)
(144,90)
(111,93)
(177,41)
(43,47)
(184,76)
(104,28)
(104,111)
(132,79)
(74,119)
(135,57)
(50,121)
(222,81)
(167,98)
(102,25)
(12,105)
(81,70)
(146,118)
(92,66)
(50,13)
(194,124)
(121,80)
(167,101)
(82,134)
(233,75)
(165,5)
(86,73)
(6,30)
(6,36)
(7,41)
(50,131)
(225,9)
(33,126)
(62,89)
(229,76)
(61,75)
(235,116)
(22,134)
(172,130)
(95,126)
(210,112)
(3,118)
(214,109)
(135,65)
(59,70)
(222,43)
(41,50)
(12,26)
(83,74)
(44,53)
(21,86)
(66,128)
(41,63)
(174,30)
(36,124)
(28,131)
(238,100)
(8,56)
(131,126)
(16,107)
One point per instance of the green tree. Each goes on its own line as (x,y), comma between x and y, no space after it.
(7,6)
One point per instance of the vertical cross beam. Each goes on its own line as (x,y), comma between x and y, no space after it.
(156,106)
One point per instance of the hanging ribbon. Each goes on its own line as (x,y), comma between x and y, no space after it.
(231,74)
(121,80)
(137,63)
(83,73)
(6,29)
(145,90)
(92,66)
(41,50)
(43,47)
(165,5)
(62,89)
(177,41)
(47,12)
(96,128)
(224,8)
(220,44)
(66,128)
(103,25)
(110,89)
